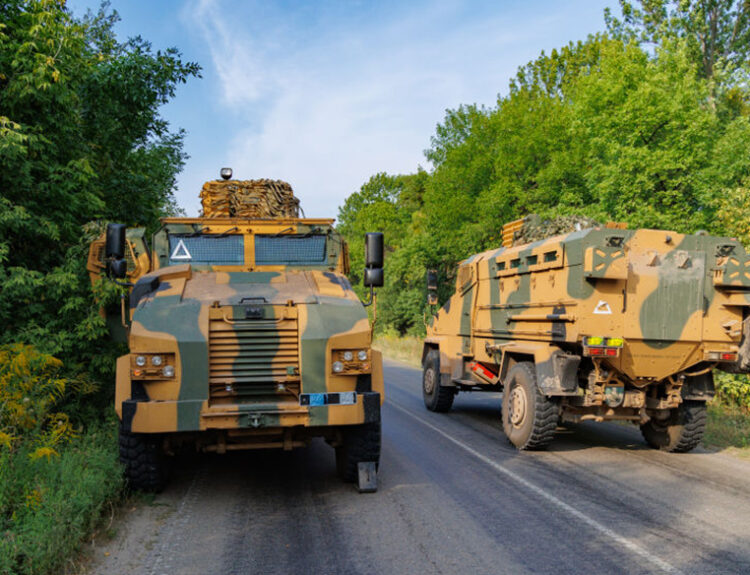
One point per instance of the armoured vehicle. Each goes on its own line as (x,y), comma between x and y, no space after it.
(244,333)
(603,323)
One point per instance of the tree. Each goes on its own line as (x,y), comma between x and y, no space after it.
(717,32)
(81,139)
(602,128)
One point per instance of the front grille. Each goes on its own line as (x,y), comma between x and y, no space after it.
(253,360)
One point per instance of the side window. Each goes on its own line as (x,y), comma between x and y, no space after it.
(465,278)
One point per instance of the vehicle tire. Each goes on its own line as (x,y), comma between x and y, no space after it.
(145,464)
(360,443)
(529,417)
(437,397)
(681,432)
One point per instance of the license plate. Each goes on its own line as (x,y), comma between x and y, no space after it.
(340,398)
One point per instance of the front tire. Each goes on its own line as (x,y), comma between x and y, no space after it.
(529,417)
(681,431)
(145,463)
(360,443)
(437,397)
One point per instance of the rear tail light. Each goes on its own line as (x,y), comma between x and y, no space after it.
(721,356)
(595,346)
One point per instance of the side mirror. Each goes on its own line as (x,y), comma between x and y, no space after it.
(114,251)
(373,277)
(374,250)
(373,259)
(118,268)
(432,280)
(432,286)
(373,263)
(115,245)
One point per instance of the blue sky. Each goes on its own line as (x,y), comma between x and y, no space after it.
(325,94)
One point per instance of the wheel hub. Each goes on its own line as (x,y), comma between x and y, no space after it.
(429,381)
(517,406)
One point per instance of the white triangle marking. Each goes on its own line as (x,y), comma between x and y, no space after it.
(181,255)
(602,308)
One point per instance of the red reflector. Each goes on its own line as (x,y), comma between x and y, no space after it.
(612,352)
(596,351)
(728,356)
(479,369)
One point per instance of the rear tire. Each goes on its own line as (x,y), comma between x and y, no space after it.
(145,464)
(529,417)
(360,443)
(437,397)
(681,432)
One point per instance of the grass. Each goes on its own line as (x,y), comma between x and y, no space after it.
(49,506)
(406,349)
(728,427)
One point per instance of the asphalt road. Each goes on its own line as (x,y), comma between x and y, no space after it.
(454,497)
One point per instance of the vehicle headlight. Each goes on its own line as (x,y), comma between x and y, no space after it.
(168,371)
(140,361)
(350,361)
(156,360)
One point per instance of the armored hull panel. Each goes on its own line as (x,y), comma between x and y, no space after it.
(647,312)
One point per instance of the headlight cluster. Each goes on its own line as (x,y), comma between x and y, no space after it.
(152,365)
(347,361)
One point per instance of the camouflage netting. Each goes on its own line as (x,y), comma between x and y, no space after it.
(535,229)
(252,199)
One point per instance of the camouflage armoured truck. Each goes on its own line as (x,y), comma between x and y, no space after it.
(598,324)
(244,333)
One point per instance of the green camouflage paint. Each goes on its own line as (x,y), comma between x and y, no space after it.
(324,319)
(180,318)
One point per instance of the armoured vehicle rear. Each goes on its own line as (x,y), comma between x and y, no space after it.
(243,333)
(603,323)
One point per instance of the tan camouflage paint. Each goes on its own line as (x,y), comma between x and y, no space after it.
(186,315)
(672,297)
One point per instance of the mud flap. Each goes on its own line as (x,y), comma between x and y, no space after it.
(367,477)
(700,387)
(558,374)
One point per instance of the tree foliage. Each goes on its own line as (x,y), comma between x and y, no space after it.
(81,139)
(625,126)
(716,32)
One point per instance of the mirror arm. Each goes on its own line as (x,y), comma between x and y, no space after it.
(372,298)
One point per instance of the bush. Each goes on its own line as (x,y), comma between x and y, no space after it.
(54,479)
(48,505)
(733,390)
(30,389)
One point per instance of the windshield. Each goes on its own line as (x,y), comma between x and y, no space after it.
(206,249)
(290,250)
(229,250)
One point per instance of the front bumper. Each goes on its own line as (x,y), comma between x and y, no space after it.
(184,416)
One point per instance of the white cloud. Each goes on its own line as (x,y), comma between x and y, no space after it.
(325,101)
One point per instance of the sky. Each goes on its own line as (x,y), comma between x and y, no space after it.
(325,94)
